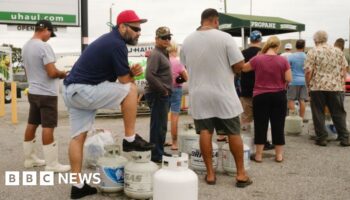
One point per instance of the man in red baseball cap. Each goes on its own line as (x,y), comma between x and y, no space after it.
(91,85)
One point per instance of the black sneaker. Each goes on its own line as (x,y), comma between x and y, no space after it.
(77,193)
(139,144)
(344,144)
(268,146)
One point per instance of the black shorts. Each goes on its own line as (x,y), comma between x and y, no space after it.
(222,126)
(42,110)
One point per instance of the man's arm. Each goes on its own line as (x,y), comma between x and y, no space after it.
(237,68)
(53,72)
(135,70)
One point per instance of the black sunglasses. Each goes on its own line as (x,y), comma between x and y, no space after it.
(134,28)
(165,37)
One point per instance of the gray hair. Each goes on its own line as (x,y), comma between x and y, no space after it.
(320,37)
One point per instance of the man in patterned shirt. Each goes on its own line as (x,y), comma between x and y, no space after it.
(324,73)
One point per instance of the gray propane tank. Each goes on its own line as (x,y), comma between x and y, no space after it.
(294,123)
(174,180)
(197,162)
(187,138)
(111,169)
(139,175)
(228,162)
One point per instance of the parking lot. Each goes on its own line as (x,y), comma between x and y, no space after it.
(308,172)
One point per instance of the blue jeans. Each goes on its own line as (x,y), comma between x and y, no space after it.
(159,106)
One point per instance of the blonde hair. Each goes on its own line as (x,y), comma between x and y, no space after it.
(172,47)
(271,43)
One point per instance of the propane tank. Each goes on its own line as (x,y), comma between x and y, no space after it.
(331,130)
(249,141)
(187,138)
(294,123)
(308,113)
(228,162)
(139,175)
(197,162)
(175,181)
(111,169)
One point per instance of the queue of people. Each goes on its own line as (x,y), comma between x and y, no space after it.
(209,60)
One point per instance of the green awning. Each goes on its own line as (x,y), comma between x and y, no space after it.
(233,24)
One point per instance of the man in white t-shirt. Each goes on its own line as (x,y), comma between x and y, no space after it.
(211,56)
(42,74)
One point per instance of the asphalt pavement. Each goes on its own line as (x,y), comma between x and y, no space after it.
(308,172)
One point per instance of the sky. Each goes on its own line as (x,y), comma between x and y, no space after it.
(183,17)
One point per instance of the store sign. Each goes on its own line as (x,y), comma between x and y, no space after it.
(59,12)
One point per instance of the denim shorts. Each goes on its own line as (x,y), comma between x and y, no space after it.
(175,100)
(84,100)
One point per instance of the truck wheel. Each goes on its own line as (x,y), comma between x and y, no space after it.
(7,95)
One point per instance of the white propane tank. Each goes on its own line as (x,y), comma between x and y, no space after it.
(187,138)
(175,181)
(197,162)
(139,175)
(111,169)
(228,162)
(308,113)
(249,141)
(293,124)
(331,130)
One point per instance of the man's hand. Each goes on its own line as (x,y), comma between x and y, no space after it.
(136,70)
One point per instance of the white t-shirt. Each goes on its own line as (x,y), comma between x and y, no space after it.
(36,54)
(208,56)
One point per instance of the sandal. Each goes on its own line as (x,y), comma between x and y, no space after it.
(213,182)
(167,144)
(243,184)
(252,158)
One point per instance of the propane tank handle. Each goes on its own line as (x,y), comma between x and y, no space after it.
(293,112)
(112,150)
(175,161)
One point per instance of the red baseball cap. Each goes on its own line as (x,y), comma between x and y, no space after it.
(129,16)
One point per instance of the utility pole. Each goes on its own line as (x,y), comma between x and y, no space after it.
(84,24)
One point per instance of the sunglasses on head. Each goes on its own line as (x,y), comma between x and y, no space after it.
(134,28)
(165,37)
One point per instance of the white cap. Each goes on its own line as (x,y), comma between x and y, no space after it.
(288,46)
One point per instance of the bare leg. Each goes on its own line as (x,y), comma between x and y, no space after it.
(207,151)
(236,148)
(279,152)
(47,136)
(76,146)
(129,110)
(259,148)
(174,118)
(29,133)
(302,108)
(291,105)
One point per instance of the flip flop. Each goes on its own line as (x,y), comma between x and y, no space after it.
(278,161)
(213,182)
(167,144)
(252,158)
(174,149)
(243,184)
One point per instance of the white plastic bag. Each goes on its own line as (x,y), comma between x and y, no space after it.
(94,146)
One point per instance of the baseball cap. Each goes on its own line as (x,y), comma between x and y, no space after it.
(163,31)
(288,46)
(255,36)
(129,16)
(45,24)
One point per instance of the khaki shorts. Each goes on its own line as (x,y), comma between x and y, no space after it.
(222,126)
(42,110)
(247,104)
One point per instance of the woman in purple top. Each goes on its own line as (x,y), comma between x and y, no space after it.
(272,74)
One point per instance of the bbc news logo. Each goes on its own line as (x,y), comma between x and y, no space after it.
(47,178)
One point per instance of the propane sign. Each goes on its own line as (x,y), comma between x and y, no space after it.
(59,12)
